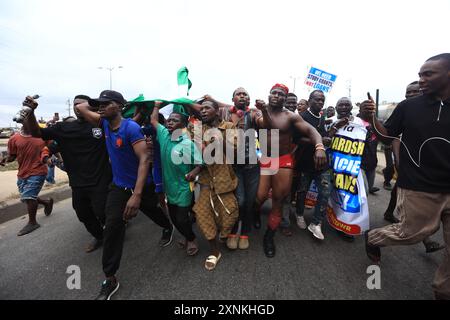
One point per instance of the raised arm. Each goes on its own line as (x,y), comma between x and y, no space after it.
(320,158)
(265,121)
(155,115)
(90,116)
(368,113)
(30,121)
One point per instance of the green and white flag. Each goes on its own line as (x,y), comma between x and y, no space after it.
(184,83)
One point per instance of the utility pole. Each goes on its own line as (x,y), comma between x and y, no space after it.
(68,107)
(294,78)
(349,87)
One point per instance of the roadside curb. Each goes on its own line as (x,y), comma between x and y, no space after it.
(12,209)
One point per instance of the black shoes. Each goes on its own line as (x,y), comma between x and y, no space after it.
(346,237)
(389,216)
(373,252)
(109,287)
(268,243)
(387,186)
(94,245)
(166,239)
(257,221)
(373,190)
(433,246)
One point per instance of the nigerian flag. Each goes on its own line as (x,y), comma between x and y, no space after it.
(183,81)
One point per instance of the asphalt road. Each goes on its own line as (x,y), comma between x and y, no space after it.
(34,266)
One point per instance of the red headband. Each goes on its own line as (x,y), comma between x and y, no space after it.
(281,86)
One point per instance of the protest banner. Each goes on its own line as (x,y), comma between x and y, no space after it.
(348,209)
(320,80)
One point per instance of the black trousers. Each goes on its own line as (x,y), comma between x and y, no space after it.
(89,205)
(388,172)
(114,233)
(182,220)
(392,202)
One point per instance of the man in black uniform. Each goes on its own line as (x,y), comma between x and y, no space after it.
(83,150)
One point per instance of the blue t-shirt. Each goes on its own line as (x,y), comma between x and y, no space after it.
(148,130)
(124,161)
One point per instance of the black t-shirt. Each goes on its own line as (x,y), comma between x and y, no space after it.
(419,119)
(305,160)
(83,150)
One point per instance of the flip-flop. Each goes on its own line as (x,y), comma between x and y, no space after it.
(192,249)
(28,228)
(212,259)
(181,244)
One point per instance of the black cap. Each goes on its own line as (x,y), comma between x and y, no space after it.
(106,96)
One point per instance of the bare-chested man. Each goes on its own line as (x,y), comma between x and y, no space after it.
(274,117)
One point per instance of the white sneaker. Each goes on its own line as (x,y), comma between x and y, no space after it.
(316,231)
(301,222)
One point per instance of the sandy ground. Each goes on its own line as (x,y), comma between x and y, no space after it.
(8,185)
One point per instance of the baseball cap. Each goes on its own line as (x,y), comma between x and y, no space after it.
(106,96)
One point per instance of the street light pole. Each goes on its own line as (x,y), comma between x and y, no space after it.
(295,78)
(110,73)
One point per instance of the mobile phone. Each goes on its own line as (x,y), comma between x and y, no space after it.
(369,96)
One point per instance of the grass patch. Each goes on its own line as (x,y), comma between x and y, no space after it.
(10,166)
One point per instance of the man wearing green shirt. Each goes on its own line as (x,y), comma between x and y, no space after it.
(181,163)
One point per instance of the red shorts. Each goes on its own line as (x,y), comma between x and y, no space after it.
(284,162)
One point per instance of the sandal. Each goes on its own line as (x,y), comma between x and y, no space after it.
(211,261)
(28,228)
(191,248)
(181,244)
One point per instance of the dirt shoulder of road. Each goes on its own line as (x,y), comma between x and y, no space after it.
(8,185)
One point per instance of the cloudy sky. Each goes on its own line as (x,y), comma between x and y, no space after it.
(54,48)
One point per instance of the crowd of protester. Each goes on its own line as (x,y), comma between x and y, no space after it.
(118,166)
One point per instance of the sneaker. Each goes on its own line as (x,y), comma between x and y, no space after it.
(316,230)
(166,239)
(232,241)
(387,186)
(243,242)
(109,287)
(301,222)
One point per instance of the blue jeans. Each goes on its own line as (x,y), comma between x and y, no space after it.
(30,187)
(324,186)
(50,178)
(285,221)
(248,177)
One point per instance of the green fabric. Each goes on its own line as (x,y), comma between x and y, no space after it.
(128,110)
(176,186)
(182,78)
